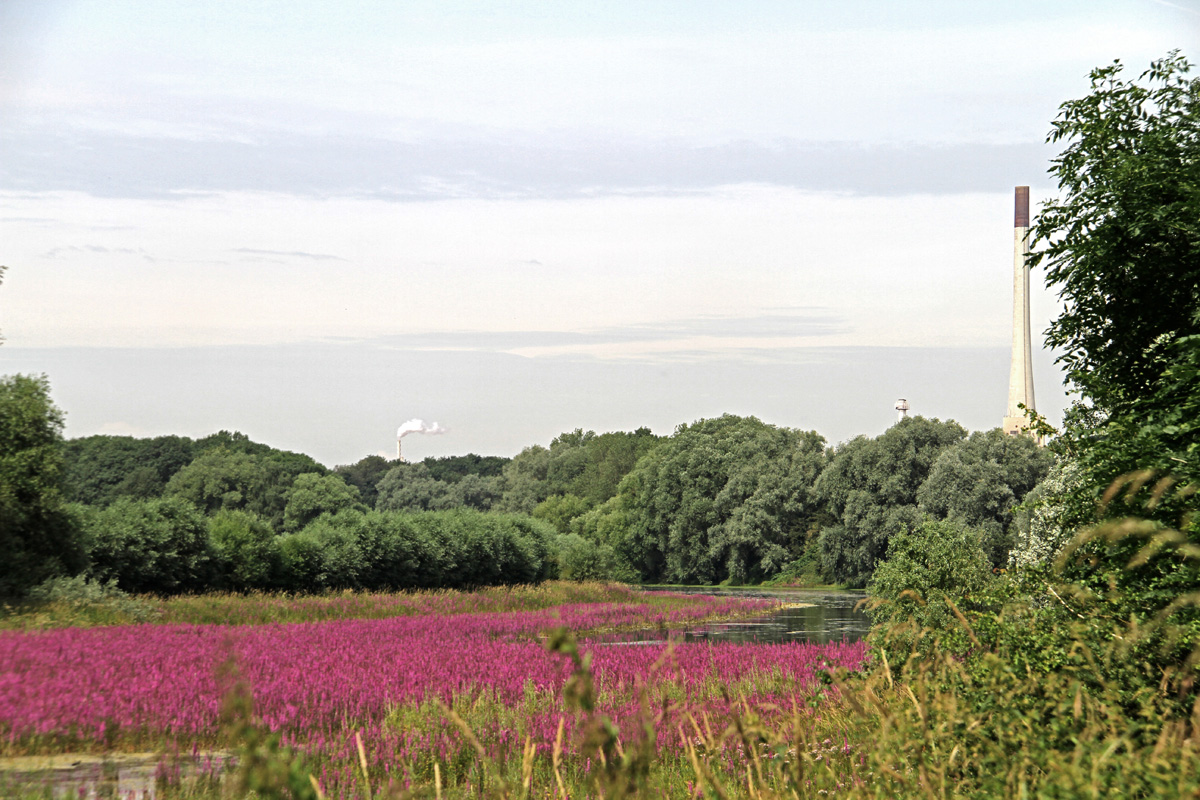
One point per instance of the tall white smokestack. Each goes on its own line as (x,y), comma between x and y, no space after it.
(1020,375)
(901,410)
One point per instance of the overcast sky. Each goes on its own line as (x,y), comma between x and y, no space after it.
(313,221)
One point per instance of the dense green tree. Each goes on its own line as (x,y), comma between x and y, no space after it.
(312,495)
(159,545)
(578,463)
(365,475)
(871,488)
(477,492)
(238,442)
(606,524)
(561,510)
(410,486)
(454,468)
(396,554)
(38,538)
(726,499)
(1121,244)
(243,550)
(413,486)
(1050,515)
(415,550)
(525,480)
(980,480)
(323,556)
(609,458)
(220,478)
(936,561)
(581,559)
(100,468)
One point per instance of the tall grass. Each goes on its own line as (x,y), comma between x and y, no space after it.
(77,603)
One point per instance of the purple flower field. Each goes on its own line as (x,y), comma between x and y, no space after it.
(318,683)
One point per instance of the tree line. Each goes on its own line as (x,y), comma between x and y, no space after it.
(730,499)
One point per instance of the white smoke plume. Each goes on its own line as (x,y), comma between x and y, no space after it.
(419,426)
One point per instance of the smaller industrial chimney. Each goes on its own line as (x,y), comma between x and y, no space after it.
(901,410)
(415,426)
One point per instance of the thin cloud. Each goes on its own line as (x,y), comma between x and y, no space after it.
(287,254)
(94,249)
(801,323)
(476,166)
(1177,7)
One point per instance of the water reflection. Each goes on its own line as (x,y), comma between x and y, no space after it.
(128,776)
(807,616)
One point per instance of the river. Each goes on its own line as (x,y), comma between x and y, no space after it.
(817,615)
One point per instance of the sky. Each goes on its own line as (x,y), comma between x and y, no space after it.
(311,222)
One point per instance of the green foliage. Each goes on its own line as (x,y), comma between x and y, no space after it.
(1062,690)
(38,538)
(1050,514)
(988,728)
(560,510)
(365,474)
(312,495)
(325,555)
(80,602)
(870,487)
(723,499)
(254,478)
(243,550)
(1122,247)
(805,570)
(99,469)
(579,463)
(413,487)
(931,570)
(414,550)
(606,524)
(477,492)
(158,546)
(591,466)
(454,468)
(581,559)
(980,480)
(1122,243)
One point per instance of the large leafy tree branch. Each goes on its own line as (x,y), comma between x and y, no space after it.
(1121,245)
(1122,242)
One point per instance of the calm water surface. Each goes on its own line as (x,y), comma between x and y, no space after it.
(819,615)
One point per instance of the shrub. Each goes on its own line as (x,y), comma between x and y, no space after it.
(158,546)
(244,552)
(38,538)
(415,550)
(80,601)
(930,571)
(582,560)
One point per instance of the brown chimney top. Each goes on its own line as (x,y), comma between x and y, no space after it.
(1021,217)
